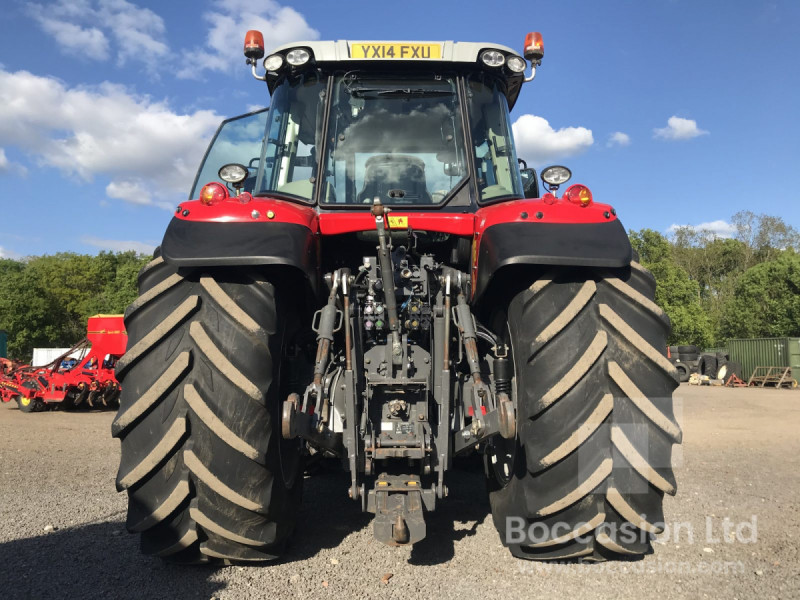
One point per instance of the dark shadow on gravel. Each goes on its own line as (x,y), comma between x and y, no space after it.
(102,560)
(327,515)
(457,516)
(95,561)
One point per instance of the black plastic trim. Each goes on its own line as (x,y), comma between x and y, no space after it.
(565,244)
(202,244)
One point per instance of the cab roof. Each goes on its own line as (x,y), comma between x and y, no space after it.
(345,50)
(407,53)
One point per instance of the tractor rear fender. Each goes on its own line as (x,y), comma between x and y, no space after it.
(537,234)
(259,233)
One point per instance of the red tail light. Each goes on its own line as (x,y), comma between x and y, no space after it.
(534,46)
(213,193)
(579,194)
(254,44)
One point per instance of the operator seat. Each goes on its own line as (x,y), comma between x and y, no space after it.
(395,179)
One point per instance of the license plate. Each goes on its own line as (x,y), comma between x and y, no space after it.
(396,51)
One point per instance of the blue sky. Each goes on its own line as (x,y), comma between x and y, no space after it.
(673,111)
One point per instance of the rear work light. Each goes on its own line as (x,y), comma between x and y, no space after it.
(579,194)
(556,175)
(212,193)
(297,57)
(493,58)
(516,64)
(273,62)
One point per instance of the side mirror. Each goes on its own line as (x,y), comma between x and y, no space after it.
(530,183)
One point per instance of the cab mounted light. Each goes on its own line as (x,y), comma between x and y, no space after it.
(556,175)
(533,51)
(233,173)
(579,194)
(516,64)
(298,57)
(493,58)
(254,50)
(273,62)
(253,45)
(212,193)
(534,47)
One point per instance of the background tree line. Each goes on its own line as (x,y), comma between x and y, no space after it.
(712,288)
(716,288)
(46,300)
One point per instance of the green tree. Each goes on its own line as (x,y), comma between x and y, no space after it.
(764,236)
(676,292)
(766,300)
(120,291)
(46,300)
(29,313)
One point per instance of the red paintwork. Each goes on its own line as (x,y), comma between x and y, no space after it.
(524,211)
(106,334)
(552,209)
(561,211)
(334,223)
(234,211)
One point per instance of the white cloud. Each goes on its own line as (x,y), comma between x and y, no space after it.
(87,28)
(679,129)
(105,130)
(618,139)
(119,245)
(538,143)
(88,42)
(135,192)
(229,22)
(6,166)
(719,228)
(5,253)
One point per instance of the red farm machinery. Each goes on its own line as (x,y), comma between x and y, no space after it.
(364,275)
(81,377)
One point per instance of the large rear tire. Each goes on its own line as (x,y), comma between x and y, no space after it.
(207,473)
(586,476)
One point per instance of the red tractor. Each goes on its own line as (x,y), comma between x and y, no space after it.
(362,276)
(87,381)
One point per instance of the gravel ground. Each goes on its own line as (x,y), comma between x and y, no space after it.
(740,460)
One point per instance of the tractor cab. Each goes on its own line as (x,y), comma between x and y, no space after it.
(420,125)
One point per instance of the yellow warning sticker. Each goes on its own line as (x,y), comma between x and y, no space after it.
(398,222)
